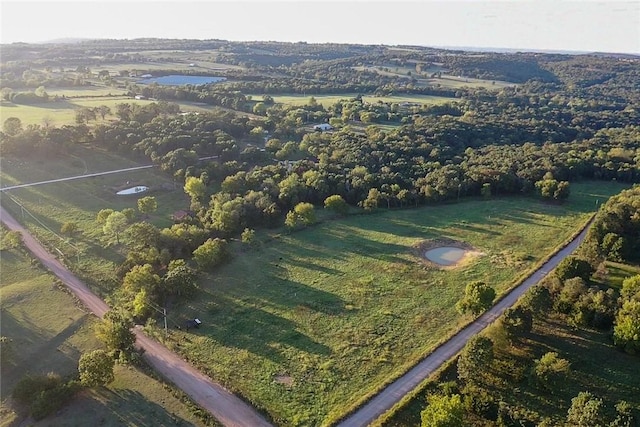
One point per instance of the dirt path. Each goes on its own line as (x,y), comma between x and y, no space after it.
(223,405)
(393,393)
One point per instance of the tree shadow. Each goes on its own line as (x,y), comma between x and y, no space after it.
(115,407)
(42,349)
(246,326)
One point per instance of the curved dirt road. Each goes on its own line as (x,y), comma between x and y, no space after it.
(395,391)
(223,405)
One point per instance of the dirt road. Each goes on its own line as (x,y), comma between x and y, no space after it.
(223,405)
(393,393)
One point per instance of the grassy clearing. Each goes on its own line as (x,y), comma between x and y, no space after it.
(308,325)
(445,80)
(317,319)
(48,332)
(328,100)
(79,201)
(588,351)
(63,111)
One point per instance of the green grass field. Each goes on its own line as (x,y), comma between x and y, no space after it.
(63,111)
(328,100)
(596,366)
(315,320)
(79,201)
(48,332)
(445,81)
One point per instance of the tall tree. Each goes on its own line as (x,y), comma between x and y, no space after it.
(478,297)
(147,205)
(475,358)
(115,224)
(96,368)
(443,411)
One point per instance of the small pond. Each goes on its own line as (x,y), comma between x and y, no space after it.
(133,190)
(179,79)
(445,255)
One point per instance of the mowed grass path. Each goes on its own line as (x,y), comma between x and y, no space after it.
(48,332)
(315,320)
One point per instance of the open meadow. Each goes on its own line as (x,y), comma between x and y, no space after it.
(315,321)
(49,206)
(445,80)
(47,331)
(311,323)
(588,351)
(328,100)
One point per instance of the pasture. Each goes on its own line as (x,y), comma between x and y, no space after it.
(49,206)
(328,100)
(63,111)
(48,331)
(315,321)
(446,80)
(588,350)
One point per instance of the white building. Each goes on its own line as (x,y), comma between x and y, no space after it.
(323,127)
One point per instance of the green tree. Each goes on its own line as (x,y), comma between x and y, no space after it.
(586,411)
(103,110)
(624,415)
(626,332)
(443,411)
(475,358)
(478,297)
(11,240)
(549,371)
(115,332)
(336,204)
(12,126)
(211,253)
(372,200)
(96,368)
(115,224)
(179,280)
(102,216)
(517,321)
(631,288)
(305,212)
(69,228)
(147,205)
(141,277)
(538,300)
(248,237)
(573,266)
(196,189)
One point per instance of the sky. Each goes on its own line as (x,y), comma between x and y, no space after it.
(557,25)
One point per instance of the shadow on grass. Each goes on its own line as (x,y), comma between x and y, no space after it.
(115,407)
(256,330)
(19,362)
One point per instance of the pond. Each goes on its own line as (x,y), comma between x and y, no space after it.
(180,79)
(445,255)
(133,190)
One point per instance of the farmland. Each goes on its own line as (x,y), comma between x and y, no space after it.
(588,350)
(340,309)
(305,247)
(47,332)
(328,100)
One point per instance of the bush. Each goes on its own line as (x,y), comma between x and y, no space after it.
(44,394)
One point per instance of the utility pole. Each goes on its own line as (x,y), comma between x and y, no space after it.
(163,311)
